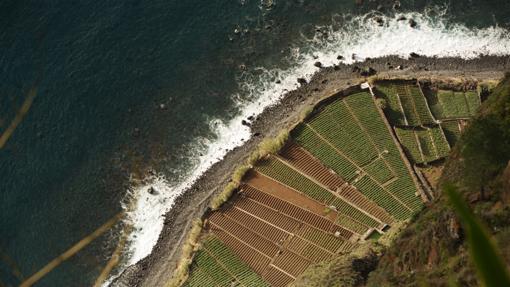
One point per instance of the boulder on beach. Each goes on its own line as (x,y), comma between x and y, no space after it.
(318,64)
(301,81)
(412,23)
(414,55)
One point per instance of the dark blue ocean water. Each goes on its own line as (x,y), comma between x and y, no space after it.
(101,70)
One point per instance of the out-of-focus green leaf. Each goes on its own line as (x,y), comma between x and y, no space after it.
(489,264)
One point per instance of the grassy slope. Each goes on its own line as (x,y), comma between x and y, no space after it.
(432,251)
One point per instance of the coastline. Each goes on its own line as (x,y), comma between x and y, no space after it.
(155,269)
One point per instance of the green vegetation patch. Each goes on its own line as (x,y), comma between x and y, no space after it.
(457,104)
(283,173)
(452,131)
(424,145)
(217,265)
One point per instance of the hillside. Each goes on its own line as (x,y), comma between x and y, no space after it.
(337,187)
(432,248)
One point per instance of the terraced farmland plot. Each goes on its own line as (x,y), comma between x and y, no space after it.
(424,145)
(281,172)
(259,231)
(407,105)
(421,106)
(383,198)
(380,170)
(336,124)
(342,174)
(292,211)
(371,119)
(440,142)
(217,265)
(457,104)
(321,150)
(309,165)
(377,138)
(452,131)
(356,197)
(306,163)
(394,109)
(410,144)
(366,111)
(286,175)
(427,145)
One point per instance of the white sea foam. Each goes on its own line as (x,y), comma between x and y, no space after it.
(361,36)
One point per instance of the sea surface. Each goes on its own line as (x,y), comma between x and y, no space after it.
(156,90)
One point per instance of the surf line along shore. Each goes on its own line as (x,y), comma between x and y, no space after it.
(156,269)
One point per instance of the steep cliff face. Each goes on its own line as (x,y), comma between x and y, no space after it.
(432,249)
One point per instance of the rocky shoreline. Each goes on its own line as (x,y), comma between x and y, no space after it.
(156,269)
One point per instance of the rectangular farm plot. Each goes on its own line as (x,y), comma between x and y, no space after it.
(283,173)
(406,104)
(458,104)
(258,229)
(393,109)
(410,144)
(306,163)
(424,145)
(336,124)
(324,152)
(452,131)
(217,265)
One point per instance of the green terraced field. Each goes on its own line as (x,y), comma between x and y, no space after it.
(430,141)
(288,176)
(440,141)
(336,124)
(379,170)
(427,145)
(406,104)
(394,108)
(353,138)
(410,144)
(457,104)
(216,265)
(421,105)
(452,131)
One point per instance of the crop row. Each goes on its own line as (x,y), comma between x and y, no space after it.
(232,263)
(456,104)
(421,106)
(393,108)
(323,239)
(452,131)
(356,197)
(336,124)
(440,141)
(281,172)
(378,194)
(379,170)
(309,165)
(308,139)
(291,210)
(427,145)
